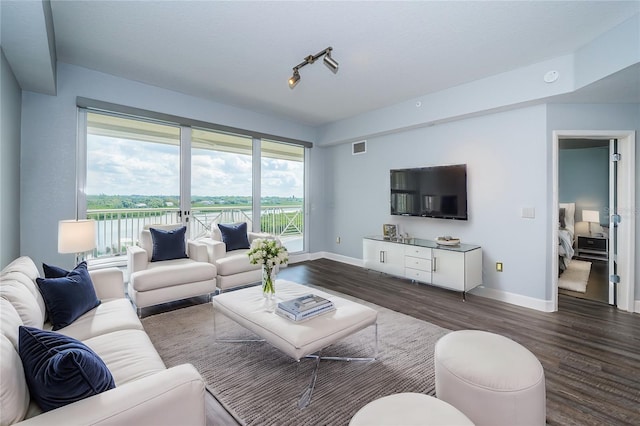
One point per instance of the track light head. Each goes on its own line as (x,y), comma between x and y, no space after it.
(294,79)
(330,62)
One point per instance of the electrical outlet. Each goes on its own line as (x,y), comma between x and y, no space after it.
(337,240)
(499,266)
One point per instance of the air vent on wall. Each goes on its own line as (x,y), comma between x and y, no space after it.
(359,147)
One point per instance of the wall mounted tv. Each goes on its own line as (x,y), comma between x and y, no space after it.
(439,192)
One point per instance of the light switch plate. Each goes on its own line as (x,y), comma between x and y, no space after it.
(529,212)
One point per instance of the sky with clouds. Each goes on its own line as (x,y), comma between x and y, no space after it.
(125,167)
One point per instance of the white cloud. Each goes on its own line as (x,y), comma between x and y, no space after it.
(122,167)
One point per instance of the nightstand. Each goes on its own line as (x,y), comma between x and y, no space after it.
(593,247)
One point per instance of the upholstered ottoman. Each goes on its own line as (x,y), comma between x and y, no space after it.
(409,409)
(490,378)
(173,280)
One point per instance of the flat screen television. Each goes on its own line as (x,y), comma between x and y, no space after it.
(439,191)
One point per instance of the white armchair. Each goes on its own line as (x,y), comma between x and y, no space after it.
(233,267)
(155,282)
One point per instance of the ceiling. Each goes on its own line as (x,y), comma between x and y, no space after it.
(241,53)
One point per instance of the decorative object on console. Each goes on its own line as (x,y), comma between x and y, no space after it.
(76,236)
(591,216)
(390,231)
(270,254)
(447,241)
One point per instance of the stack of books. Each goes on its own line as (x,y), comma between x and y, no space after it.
(304,307)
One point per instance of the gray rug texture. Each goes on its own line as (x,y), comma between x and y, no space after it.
(261,386)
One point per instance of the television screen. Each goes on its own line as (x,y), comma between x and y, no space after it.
(439,192)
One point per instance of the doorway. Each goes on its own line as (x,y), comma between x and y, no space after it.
(583,181)
(616,243)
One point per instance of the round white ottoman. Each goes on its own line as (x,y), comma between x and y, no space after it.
(409,409)
(490,378)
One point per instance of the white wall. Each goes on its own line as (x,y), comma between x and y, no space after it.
(49,144)
(10,109)
(506,162)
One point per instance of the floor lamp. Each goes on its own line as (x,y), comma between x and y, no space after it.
(76,236)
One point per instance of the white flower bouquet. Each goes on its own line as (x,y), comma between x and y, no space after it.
(269,253)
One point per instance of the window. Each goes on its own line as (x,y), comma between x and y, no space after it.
(144,171)
(221,180)
(133,178)
(282,192)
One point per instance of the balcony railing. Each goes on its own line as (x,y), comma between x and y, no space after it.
(119,228)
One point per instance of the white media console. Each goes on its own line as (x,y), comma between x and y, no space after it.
(456,267)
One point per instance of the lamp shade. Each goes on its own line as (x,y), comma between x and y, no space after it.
(76,236)
(592,216)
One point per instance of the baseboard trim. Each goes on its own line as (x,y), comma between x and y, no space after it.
(490,293)
(344,259)
(514,299)
(325,255)
(636,308)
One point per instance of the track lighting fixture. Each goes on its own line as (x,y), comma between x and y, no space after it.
(328,61)
(294,79)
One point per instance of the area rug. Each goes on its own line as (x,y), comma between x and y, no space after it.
(576,276)
(261,386)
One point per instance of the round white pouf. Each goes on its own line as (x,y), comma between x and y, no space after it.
(409,409)
(490,378)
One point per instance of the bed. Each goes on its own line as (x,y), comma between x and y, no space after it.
(566,233)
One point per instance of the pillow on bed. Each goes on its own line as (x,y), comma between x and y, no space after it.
(561,216)
(569,216)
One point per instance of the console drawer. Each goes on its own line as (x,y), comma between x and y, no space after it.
(417,263)
(418,275)
(414,251)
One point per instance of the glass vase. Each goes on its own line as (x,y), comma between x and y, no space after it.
(268,288)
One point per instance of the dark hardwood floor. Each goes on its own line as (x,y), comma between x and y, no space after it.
(590,351)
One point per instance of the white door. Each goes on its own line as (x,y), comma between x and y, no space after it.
(614,279)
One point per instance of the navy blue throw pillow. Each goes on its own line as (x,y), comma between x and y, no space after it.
(68,297)
(60,369)
(168,245)
(54,271)
(234,236)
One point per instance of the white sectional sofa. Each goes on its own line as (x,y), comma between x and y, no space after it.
(145,393)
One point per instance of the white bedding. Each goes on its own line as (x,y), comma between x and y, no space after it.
(565,235)
(565,250)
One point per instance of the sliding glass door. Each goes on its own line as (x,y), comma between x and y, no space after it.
(132,178)
(221,180)
(282,192)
